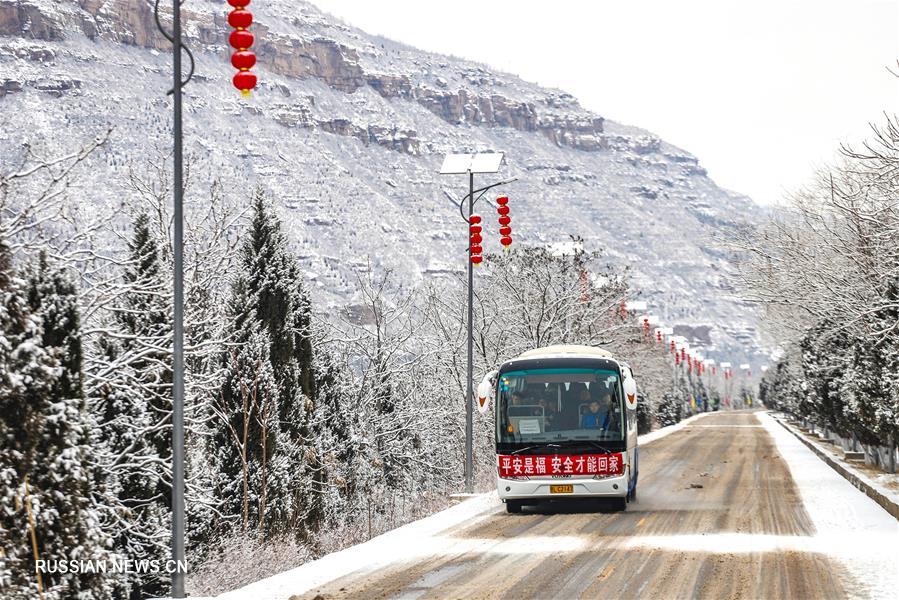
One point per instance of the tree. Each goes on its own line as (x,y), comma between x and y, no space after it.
(134,408)
(266,401)
(45,478)
(825,272)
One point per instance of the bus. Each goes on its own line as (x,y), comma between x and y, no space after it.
(566,426)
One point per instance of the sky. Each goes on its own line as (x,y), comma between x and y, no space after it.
(762,92)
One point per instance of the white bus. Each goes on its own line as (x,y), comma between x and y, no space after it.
(566,426)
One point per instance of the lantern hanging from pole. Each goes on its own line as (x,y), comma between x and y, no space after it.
(475,251)
(241,40)
(659,336)
(505,221)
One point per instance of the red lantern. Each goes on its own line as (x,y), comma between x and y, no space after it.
(474,239)
(503,210)
(241,39)
(240,18)
(683,354)
(505,220)
(502,200)
(676,359)
(505,230)
(243,60)
(244,81)
(659,336)
(506,241)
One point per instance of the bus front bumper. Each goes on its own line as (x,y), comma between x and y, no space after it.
(539,489)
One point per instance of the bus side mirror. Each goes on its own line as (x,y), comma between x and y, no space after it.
(486,391)
(630,392)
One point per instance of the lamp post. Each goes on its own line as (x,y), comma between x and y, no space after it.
(178,46)
(469,164)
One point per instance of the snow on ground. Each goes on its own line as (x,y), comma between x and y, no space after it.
(851,528)
(420,538)
(415,539)
(885,483)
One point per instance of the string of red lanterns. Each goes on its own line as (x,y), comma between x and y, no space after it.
(505,229)
(475,250)
(241,40)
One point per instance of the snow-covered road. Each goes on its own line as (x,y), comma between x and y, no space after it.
(770,520)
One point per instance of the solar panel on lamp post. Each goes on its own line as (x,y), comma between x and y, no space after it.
(469,164)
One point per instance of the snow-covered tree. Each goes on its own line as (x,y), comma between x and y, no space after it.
(133,408)
(266,403)
(825,272)
(45,477)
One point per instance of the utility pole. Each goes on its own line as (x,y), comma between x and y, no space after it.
(178,84)
(178,328)
(469,164)
(469,388)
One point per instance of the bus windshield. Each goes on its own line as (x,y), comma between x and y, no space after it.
(550,405)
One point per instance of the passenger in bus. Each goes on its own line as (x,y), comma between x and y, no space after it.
(592,419)
(607,410)
(549,413)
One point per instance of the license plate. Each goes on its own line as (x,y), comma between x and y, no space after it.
(561,489)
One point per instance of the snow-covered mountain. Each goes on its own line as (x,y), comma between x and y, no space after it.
(348,131)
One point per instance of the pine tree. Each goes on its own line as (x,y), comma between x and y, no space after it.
(134,410)
(45,475)
(271,360)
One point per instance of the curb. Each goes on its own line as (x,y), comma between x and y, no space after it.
(869,490)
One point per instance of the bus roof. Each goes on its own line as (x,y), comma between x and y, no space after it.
(565,351)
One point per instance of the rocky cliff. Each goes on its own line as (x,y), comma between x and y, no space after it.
(347,131)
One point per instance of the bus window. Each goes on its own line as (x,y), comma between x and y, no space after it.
(559,404)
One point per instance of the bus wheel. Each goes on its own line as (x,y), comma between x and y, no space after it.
(513,506)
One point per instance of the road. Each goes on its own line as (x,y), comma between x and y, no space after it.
(743,534)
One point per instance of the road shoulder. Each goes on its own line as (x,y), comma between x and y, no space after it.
(850,526)
(879,494)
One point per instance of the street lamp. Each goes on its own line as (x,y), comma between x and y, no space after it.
(469,164)
(178,46)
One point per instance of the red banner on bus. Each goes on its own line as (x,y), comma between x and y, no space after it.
(556,464)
